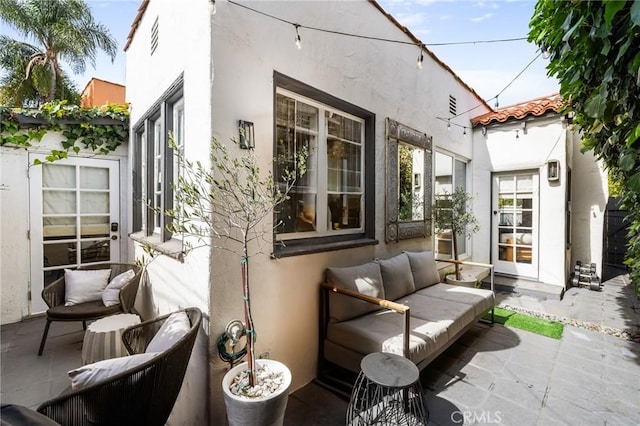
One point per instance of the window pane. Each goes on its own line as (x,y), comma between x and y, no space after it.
(59,254)
(58,202)
(58,228)
(94,226)
(461,174)
(94,251)
(94,178)
(94,202)
(344,211)
(524,183)
(506,184)
(444,174)
(57,176)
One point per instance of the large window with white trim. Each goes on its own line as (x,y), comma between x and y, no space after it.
(450,173)
(329,202)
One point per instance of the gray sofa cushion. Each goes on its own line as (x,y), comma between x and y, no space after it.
(382,332)
(365,279)
(454,316)
(424,269)
(397,278)
(481,299)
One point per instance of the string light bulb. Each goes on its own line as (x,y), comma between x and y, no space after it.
(497,103)
(545,52)
(449,125)
(298,40)
(212,7)
(464,131)
(420,59)
(517,134)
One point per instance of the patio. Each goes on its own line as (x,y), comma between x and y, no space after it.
(491,375)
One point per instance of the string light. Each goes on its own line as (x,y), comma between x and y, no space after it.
(517,134)
(464,131)
(497,103)
(212,7)
(298,41)
(545,52)
(420,59)
(449,125)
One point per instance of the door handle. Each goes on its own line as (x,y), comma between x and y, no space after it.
(114,237)
(495,212)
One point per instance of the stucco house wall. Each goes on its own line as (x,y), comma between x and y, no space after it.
(15,264)
(231,79)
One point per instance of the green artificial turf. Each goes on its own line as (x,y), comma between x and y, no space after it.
(530,323)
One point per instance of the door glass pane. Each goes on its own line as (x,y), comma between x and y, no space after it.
(57,228)
(58,254)
(58,202)
(524,183)
(444,174)
(57,176)
(94,178)
(461,174)
(94,226)
(94,251)
(94,202)
(505,184)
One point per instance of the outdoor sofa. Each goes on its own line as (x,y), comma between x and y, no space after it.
(398,305)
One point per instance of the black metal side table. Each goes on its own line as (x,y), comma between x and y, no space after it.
(387,392)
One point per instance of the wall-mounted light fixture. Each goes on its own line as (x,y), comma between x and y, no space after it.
(247,138)
(553,170)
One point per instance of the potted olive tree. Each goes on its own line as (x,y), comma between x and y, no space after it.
(452,213)
(227,205)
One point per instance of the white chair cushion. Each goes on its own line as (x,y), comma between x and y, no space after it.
(111,294)
(172,330)
(89,374)
(84,286)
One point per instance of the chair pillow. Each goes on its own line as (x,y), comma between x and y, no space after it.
(172,330)
(84,285)
(111,294)
(365,279)
(90,374)
(396,276)
(424,269)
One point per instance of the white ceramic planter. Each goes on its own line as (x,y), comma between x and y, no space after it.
(466,280)
(262,411)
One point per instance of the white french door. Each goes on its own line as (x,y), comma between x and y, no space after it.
(515,224)
(74,218)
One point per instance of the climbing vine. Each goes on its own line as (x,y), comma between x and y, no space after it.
(99,129)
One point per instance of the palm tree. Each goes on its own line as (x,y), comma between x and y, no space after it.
(63,30)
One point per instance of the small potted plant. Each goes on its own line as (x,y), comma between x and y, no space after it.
(452,214)
(227,205)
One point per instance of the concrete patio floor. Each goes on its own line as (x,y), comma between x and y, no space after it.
(492,375)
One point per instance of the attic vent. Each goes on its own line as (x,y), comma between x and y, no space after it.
(154,36)
(452,105)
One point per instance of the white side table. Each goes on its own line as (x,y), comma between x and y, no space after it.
(103,338)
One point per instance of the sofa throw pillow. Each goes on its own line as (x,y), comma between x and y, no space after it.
(365,279)
(111,294)
(424,269)
(396,276)
(90,374)
(172,330)
(84,285)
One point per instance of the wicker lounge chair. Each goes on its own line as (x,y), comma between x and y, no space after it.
(54,297)
(143,395)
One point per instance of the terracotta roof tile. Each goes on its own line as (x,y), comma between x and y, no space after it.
(535,107)
(136,21)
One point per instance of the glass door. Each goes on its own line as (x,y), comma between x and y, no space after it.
(74,219)
(514,225)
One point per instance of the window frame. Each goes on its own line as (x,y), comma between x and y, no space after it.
(151,150)
(454,160)
(300,244)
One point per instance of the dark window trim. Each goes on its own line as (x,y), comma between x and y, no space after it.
(163,109)
(329,243)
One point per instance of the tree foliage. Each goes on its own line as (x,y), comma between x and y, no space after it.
(594,50)
(61,30)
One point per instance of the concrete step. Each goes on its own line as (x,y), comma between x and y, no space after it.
(531,288)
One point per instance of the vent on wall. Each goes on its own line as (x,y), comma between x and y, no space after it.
(154,36)
(452,105)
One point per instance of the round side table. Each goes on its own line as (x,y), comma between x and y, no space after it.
(103,338)
(387,392)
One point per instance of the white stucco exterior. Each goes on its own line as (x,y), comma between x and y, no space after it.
(228,76)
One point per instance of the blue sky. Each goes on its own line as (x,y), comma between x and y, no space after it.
(487,68)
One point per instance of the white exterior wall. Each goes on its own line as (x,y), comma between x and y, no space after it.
(246,50)
(590,194)
(183,47)
(15,251)
(500,151)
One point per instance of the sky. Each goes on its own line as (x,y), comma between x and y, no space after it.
(486,67)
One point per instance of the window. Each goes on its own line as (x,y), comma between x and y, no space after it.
(450,173)
(155,166)
(330,202)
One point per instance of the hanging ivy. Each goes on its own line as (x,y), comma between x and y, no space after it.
(99,129)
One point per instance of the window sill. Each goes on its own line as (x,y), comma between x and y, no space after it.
(311,246)
(172,248)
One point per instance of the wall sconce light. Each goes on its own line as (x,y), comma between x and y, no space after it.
(247,137)
(553,170)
